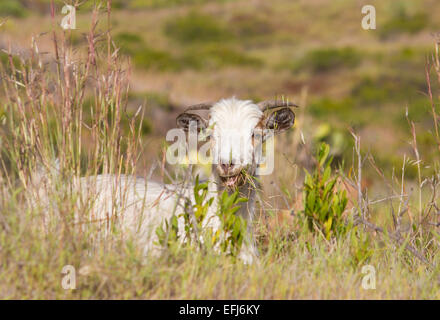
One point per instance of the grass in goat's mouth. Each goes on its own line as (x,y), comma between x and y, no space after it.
(233,181)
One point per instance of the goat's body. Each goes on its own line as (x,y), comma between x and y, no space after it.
(139,207)
(135,205)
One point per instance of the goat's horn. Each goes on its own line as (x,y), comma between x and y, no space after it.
(200,106)
(272,104)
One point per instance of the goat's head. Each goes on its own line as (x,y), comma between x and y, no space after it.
(236,129)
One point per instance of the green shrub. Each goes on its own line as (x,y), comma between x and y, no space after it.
(77,39)
(196,57)
(360,248)
(402,22)
(369,91)
(12,8)
(386,88)
(215,57)
(87,6)
(136,4)
(144,56)
(128,42)
(229,237)
(233,226)
(325,107)
(324,204)
(197,28)
(152,99)
(247,26)
(151,58)
(119,4)
(323,60)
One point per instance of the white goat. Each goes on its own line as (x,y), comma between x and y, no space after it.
(143,205)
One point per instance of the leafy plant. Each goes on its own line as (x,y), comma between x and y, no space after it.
(168,234)
(195,213)
(360,248)
(233,226)
(229,237)
(324,204)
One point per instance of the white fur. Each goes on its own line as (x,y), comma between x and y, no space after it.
(233,121)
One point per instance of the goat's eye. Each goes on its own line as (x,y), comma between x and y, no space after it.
(256,135)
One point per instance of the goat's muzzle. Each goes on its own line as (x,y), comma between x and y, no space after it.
(231,175)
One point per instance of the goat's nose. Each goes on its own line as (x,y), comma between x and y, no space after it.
(226,167)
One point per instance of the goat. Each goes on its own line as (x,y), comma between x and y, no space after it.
(143,205)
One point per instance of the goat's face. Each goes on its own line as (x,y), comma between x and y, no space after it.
(237,129)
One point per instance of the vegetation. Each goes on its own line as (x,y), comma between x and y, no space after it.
(402,22)
(324,205)
(196,234)
(323,60)
(196,27)
(12,8)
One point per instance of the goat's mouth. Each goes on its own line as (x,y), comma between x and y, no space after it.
(233,181)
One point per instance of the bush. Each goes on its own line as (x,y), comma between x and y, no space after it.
(166,3)
(12,8)
(196,57)
(402,22)
(325,107)
(247,26)
(369,91)
(386,88)
(128,42)
(197,28)
(151,58)
(324,204)
(233,227)
(215,57)
(144,56)
(323,60)
(153,99)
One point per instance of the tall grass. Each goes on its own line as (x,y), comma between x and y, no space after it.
(49,140)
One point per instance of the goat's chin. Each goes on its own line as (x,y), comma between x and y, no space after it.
(233,182)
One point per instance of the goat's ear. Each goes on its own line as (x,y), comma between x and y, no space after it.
(185,119)
(280,120)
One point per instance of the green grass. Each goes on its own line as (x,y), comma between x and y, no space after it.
(289,269)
